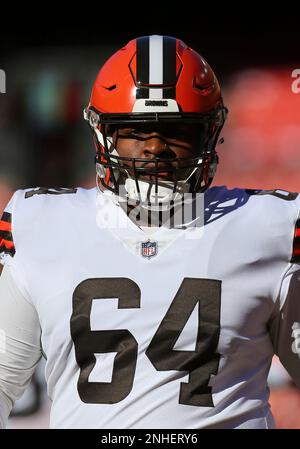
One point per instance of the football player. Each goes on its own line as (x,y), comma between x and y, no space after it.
(157,300)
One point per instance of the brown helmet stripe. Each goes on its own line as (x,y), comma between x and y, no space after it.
(142,67)
(169,67)
(156,67)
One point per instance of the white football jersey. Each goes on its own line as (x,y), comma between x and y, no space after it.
(171,328)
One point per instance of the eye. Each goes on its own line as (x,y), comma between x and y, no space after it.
(134,131)
(128,129)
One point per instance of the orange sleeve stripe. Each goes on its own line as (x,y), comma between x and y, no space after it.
(7,244)
(297,232)
(5,226)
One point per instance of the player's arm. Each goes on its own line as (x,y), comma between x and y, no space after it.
(285,324)
(20,347)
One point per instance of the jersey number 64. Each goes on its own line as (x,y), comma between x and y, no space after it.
(200,363)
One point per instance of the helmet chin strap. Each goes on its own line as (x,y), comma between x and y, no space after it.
(159,199)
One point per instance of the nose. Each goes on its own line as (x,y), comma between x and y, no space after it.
(155,146)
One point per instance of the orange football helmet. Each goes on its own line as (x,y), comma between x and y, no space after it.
(155,79)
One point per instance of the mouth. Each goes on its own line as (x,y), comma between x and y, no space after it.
(165,176)
(157,171)
(151,172)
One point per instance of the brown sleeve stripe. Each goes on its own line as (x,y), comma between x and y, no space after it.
(6,237)
(5,227)
(6,216)
(296,243)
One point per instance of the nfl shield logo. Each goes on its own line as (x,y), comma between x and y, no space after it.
(149,249)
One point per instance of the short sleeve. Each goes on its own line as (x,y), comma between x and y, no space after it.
(7,245)
(20,343)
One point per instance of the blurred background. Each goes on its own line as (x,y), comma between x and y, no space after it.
(45,142)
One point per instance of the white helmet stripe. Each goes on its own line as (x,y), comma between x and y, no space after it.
(156,66)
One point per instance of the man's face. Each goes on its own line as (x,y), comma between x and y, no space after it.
(163,141)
